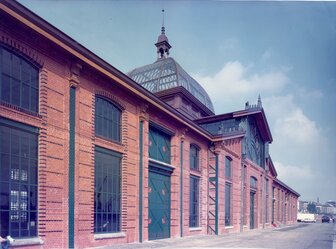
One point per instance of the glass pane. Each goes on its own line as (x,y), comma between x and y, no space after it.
(105,125)
(14,232)
(25,93)
(24,191)
(5,139)
(15,142)
(4,224)
(33,146)
(16,67)
(24,148)
(25,73)
(4,196)
(34,100)
(99,125)
(5,88)
(24,169)
(33,172)
(33,224)
(34,77)
(6,59)
(33,198)
(15,94)
(15,168)
(4,167)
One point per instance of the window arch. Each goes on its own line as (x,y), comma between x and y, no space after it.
(19,81)
(107,119)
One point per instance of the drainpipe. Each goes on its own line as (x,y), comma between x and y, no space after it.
(242,204)
(71,193)
(181,187)
(140,176)
(217,193)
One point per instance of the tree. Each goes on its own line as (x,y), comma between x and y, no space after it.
(311,208)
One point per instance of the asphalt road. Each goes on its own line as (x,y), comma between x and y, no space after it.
(299,236)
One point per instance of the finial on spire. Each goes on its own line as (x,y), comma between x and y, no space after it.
(162,44)
(259,101)
(163,27)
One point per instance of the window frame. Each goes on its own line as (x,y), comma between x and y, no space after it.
(228,201)
(20,179)
(228,167)
(194,152)
(253,182)
(26,75)
(194,199)
(114,127)
(111,167)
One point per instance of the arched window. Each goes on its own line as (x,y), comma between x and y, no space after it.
(19,84)
(107,120)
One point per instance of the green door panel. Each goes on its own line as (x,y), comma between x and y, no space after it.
(158,205)
(159,145)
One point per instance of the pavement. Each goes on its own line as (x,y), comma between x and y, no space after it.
(296,236)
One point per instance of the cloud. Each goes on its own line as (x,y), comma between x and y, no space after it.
(233,85)
(294,173)
(290,125)
(313,94)
(233,82)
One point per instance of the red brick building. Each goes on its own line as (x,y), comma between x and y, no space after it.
(92,157)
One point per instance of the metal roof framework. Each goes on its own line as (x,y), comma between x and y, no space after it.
(165,74)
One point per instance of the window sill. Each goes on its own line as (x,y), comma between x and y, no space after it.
(191,229)
(195,172)
(26,242)
(109,235)
(228,227)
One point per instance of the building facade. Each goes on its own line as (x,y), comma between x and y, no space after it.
(93,157)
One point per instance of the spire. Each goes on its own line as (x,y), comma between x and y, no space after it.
(163,27)
(259,101)
(162,44)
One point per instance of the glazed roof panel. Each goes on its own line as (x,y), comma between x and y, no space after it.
(165,74)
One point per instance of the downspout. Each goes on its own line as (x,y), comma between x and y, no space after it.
(181,187)
(242,204)
(140,177)
(71,193)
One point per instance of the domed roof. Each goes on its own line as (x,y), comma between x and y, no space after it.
(165,74)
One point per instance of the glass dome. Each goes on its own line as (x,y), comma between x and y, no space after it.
(165,74)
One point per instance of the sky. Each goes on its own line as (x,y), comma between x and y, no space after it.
(284,51)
